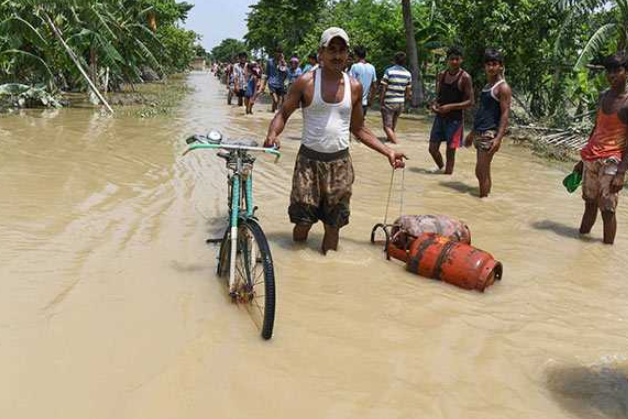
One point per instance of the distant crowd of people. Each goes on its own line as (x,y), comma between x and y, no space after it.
(247,80)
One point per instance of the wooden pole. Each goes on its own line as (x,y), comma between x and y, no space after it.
(77,63)
(413,55)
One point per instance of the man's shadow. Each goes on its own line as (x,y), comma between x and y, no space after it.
(590,392)
(461,187)
(422,171)
(563,230)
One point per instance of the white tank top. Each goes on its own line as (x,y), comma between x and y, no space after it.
(326,126)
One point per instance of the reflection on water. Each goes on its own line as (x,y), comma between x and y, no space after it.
(109,306)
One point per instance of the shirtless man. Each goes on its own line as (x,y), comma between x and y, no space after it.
(323,174)
(604,158)
(455,94)
(491,119)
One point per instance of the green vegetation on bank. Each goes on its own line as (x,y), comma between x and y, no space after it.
(46,43)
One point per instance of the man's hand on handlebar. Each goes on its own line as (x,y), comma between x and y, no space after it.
(272,142)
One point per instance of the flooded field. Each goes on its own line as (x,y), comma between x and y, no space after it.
(109,306)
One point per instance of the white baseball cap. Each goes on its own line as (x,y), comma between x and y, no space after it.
(332,33)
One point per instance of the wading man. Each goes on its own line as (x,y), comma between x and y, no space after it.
(396,89)
(491,119)
(323,173)
(365,73)
(277,72)
(455,93)
(604,158)
(239,77)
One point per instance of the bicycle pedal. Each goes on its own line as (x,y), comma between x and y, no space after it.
(213,241)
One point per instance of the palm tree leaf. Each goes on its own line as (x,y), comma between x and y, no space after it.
(148,54)
(595,44)
(37,38)
(580,6)
(29,55)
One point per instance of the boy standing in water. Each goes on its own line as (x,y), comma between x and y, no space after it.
(604,158)
(455,93)
(323,173)
(491,119)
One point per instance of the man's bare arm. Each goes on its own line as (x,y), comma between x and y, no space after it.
(291,104)
(382,93)
(505,98)
(623,116)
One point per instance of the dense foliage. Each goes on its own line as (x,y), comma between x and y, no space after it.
(228,49)
(127,37)
(551,46)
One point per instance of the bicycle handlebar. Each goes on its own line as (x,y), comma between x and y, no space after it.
(195,144)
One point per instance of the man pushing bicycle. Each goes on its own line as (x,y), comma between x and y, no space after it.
(332,110)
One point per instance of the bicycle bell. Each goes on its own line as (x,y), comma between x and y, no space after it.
(214,136)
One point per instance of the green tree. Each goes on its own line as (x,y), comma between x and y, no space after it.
(227,49)
(115,34)
(282,22)
(613,30)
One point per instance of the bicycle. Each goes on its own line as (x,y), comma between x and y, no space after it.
(244,251)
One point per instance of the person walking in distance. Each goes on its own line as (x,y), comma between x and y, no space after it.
(396,89)
(323,173)
(294,71)
(312,63)
(239,77)
(455,94)
(491,119)
(365,73)
(277,72)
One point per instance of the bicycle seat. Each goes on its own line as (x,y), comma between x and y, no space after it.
(241,142)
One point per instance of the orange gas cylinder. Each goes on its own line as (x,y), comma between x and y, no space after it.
(457,263)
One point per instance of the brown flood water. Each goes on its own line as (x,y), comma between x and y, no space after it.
(109,307)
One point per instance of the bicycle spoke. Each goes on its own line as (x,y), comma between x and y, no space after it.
(260,308)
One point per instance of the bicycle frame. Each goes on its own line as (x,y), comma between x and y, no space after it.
(239,177)
(237,180)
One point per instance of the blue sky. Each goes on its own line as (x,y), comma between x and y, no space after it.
(218,19)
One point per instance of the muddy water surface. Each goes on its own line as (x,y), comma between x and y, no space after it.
(109,307)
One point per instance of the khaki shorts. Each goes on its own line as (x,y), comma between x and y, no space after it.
(390,113)
(596,183)
(483,141)
(321,188)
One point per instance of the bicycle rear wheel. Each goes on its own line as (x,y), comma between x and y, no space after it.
(254,274)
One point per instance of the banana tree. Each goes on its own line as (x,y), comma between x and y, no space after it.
(614,29)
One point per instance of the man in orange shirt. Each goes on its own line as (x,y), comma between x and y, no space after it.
(604,158)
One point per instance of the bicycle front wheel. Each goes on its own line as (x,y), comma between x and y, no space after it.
(255,276)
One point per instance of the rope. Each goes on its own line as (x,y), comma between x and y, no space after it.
(390,188)
(392,179)
(403,188)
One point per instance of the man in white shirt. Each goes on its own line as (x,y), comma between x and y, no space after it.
(323,174)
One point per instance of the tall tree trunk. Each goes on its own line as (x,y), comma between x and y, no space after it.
(93,64)
(74,58)
(413,55)
(152,21)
